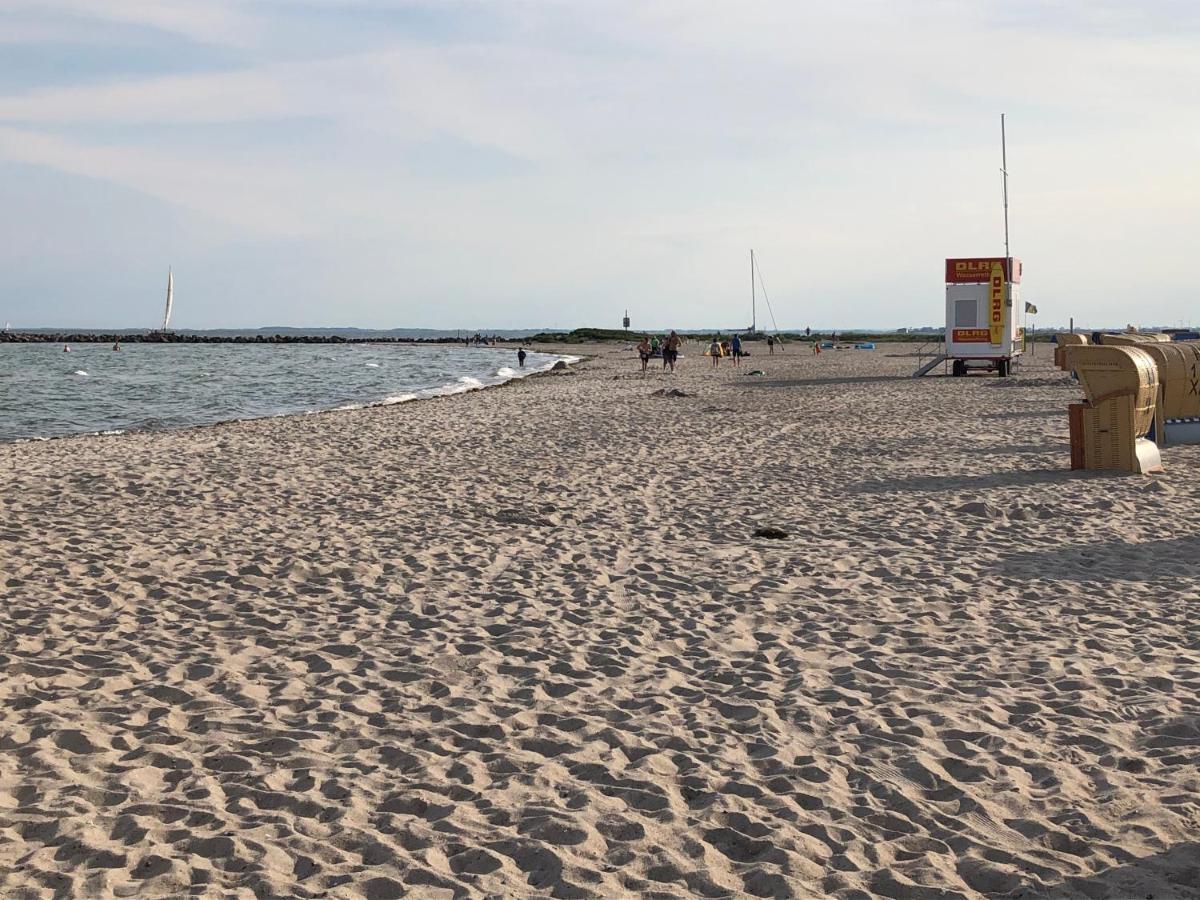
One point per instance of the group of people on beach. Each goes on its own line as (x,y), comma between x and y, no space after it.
(649,347)
(731,348)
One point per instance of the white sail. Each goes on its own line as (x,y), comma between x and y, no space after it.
(170,299)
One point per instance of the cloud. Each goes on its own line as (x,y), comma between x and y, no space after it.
(604,150)
(207,21)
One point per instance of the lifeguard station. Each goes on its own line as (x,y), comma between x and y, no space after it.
(983,331)
(982,328)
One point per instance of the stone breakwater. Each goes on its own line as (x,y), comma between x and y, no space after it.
(39,337)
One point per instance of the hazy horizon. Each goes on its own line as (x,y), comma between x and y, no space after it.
(924,331)
(450,163)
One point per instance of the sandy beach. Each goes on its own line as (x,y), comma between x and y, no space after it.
(524,642)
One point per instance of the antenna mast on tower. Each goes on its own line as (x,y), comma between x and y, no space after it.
(1004,171)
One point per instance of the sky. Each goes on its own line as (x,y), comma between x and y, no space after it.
(553,163)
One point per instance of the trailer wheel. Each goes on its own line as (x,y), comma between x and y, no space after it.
(1003,368)
(959,368)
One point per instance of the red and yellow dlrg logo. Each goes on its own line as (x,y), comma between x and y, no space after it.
(996,303)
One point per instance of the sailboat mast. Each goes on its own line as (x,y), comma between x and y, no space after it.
(753,297)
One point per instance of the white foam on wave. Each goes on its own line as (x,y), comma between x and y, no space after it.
(465,383)
(80,372)
(399,398)
(372,365)
(58,437)
(386,401)
(506,372)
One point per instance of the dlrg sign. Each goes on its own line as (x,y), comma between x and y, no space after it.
(978,270)
(996,303)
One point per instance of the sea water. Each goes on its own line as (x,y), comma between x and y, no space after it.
(46,393)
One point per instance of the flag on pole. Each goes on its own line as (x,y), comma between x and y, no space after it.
(1031,309)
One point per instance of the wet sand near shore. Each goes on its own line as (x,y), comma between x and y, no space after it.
(524,642)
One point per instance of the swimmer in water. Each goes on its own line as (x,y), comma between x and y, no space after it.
(117,345)
(66,348)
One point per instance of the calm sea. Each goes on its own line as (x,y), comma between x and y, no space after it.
(45,392)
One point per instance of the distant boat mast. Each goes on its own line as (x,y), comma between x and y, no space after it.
(170,299)
(753,297)
(756,276)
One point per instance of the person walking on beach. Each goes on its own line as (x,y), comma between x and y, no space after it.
(735,346)
(771,344)
(671,349)
(521,357)
(714,350)
(644,350)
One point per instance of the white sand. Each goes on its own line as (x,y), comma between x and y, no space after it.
(522,642)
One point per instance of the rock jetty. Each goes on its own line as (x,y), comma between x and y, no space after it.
(170,337)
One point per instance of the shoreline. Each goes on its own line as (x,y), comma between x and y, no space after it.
(533,643)
(447,390)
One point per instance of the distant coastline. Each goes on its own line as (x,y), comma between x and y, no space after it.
(350,335)
(201,337)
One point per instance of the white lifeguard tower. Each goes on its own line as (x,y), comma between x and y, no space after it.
(983,297)
(983,329)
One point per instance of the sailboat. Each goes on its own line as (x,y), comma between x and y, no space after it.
(170,300)
(755,282)
(753,297)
